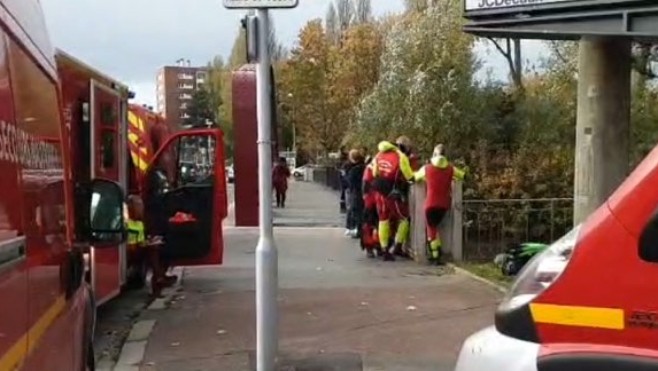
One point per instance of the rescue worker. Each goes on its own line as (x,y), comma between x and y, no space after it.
(369,238)
(438,175)
(392,174)
(146,250)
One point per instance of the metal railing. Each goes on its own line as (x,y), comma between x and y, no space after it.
(490,226)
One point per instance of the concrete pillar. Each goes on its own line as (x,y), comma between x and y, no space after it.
(603,122)
(450,229)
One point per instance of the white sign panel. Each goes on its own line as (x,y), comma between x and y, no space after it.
(250,4)
(474,5)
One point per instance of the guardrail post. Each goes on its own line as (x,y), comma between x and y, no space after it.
(417,240)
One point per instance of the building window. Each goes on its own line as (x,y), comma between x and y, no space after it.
(185,96)
(185,76)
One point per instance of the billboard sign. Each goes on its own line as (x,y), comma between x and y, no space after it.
(255,4)
(471,5)
(498,6)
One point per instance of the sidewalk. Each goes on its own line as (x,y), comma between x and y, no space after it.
(338,309)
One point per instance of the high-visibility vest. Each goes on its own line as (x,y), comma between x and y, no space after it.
(136,233)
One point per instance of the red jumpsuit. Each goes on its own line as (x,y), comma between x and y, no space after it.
(439,198)
(392,172)
(389,178)
(438,175)
(368,235)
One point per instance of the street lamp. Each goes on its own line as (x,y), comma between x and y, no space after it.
(294,128)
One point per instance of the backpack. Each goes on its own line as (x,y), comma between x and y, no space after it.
(517,255)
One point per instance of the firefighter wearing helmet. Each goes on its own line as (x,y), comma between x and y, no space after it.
(392,173)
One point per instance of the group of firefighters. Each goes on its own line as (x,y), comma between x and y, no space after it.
(378,197)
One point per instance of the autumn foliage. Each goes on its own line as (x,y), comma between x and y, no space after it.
(354,79)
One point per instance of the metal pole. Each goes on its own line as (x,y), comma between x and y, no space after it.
(294,133)
(266,255)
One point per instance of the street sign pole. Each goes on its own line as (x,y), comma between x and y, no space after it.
(267,261)
(267,316)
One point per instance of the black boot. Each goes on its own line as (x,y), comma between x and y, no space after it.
(437,262)
(399,251)
(388,257)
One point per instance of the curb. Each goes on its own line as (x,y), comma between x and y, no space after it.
(474,276)
(134,347)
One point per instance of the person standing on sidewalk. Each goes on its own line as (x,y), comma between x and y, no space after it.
(392,173)
(345,195)
(369,238)
(355,191)
(280,175)
(438,175)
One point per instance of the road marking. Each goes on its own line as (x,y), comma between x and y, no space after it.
(567,315)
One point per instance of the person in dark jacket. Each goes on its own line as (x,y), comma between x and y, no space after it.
(280,175)
(343,163)
(355,191)
(345,197)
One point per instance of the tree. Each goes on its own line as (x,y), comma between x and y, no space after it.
(416,5)
(512,55)
(363,12)
(331,23)
(277,51)
(306,75)
(200,109)
(425,83)
(219,83)
(345,12)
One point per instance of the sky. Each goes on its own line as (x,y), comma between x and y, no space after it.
(130,40)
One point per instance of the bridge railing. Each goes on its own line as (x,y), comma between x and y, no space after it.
(477,230)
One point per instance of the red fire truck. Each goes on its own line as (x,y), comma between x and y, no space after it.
(585,303)
(119,142)
(65,168)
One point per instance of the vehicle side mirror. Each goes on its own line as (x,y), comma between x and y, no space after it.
(648,241)
(106,217)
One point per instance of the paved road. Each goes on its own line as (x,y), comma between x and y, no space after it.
(338,310)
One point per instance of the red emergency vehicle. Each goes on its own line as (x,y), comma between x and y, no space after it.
(64,165)
(118,141)
(587,303)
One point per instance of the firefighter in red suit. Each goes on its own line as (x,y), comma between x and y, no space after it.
(438,175)
(369,238)
(392,174)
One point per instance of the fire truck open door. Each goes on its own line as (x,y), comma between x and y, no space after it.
(185,197)
(108,151)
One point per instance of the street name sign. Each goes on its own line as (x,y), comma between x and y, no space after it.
(260,4)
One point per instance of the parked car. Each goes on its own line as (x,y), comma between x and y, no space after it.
(298,172)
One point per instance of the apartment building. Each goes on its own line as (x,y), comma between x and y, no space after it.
(175,86)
